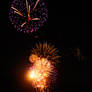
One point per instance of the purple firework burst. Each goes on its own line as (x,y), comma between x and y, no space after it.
(28,15)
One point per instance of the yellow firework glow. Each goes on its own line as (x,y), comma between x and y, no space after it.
(42,57)
(39,73)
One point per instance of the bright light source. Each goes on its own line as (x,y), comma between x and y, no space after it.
(32,74)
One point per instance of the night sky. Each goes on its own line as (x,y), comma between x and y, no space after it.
(70,34)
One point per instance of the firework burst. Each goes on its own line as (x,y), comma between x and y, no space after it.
(28,16)
(43,58)
(45,51)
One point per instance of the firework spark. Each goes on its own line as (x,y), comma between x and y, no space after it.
(42,57)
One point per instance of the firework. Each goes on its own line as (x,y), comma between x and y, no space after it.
(28,15)
(42,73)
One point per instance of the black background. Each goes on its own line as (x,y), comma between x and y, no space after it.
(66,32)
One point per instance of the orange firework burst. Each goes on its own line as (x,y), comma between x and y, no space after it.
(42,57)
(45,51)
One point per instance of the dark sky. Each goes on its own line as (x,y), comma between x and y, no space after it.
(70,34)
